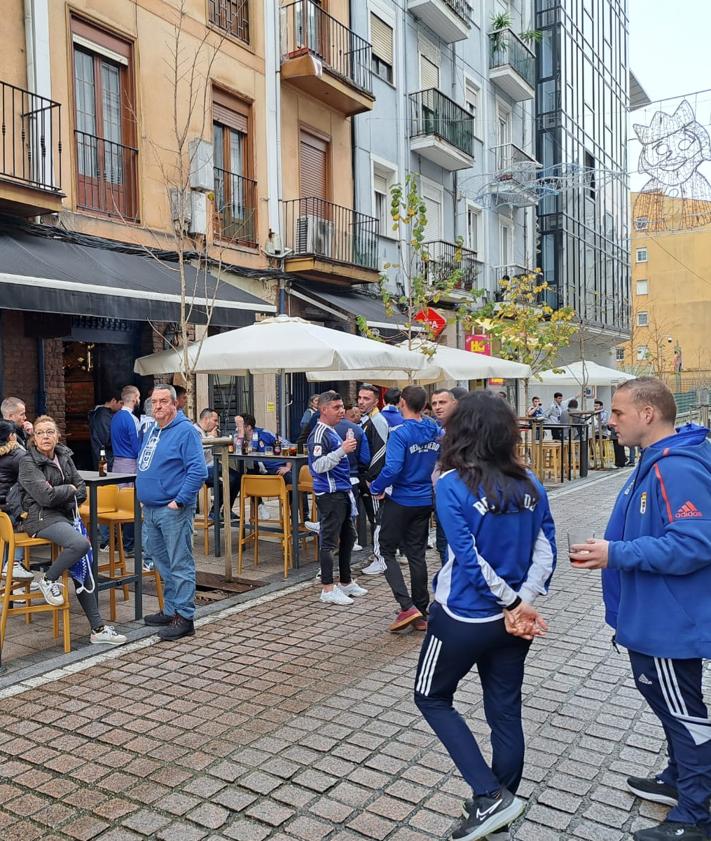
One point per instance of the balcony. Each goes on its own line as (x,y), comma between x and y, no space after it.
(106,177)
(450,19)
(512,65)
(325,58)
(30,153)
(441,259)
(499,273)
(440,130)
(231,16)
(514,183)
(329,242)
(235,208)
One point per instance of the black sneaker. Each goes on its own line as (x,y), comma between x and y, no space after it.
(159,618)
(671,831)
(178,628)
(485,815)
(653,789)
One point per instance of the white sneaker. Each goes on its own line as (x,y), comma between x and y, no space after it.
(313,526)
(377,567)
(108,635)
(357,547)
(52,591)
(335,596)
(19,572)
(264,512)
(35,587)
(353,589)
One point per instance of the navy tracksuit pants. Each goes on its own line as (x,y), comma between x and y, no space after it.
(672,688)
(449,652)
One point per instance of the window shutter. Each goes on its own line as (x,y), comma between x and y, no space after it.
(429,74)
(229,111)
(381,37)
(380,183)
(313,167)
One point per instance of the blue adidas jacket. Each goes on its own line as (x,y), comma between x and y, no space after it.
(658,580)
(392,415)
(171,464)
(410,457)
(267,439)
(493,557)
(328,462)
(124,435)
(359,459)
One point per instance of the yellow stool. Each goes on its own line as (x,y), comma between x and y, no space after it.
(263,487)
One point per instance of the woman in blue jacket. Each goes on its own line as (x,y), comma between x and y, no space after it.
(501,555)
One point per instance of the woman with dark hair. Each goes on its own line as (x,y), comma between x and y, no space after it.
(11,452)
(501,547)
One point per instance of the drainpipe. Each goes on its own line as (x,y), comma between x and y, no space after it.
(272,65)
(37,47)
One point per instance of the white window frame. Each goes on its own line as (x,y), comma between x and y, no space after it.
(472,207)
(642,353)
(389,171)
(508,224)
(638,258)
(470,81)
(387,15)
(436,194)
(620,354)
(643,319)
(645,287)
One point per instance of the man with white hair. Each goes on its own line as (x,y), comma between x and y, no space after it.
(13,409)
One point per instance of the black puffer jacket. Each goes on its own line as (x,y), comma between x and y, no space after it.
(48,496)
(11,454)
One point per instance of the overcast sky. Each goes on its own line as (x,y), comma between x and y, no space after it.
(669,46)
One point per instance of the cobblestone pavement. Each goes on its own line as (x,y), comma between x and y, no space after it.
(293,721)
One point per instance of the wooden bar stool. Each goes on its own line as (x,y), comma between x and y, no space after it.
(306,486)
(263,487)
(24,601)
(202,518)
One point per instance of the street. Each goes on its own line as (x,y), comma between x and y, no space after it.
(293,721)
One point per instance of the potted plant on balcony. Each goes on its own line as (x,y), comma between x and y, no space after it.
(500,24)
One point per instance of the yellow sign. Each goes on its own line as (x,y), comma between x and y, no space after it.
(271,407)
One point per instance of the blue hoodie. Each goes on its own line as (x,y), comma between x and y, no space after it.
(410,457)
(492,557)
(171,464)
(658,580)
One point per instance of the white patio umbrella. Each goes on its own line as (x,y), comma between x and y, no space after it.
(583,372)
(282,345)
(447,363)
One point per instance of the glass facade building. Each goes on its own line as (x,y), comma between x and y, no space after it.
(581,136)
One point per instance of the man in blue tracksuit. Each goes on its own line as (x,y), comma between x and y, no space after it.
(405,486)
(656,562)
(390,411)
(171,471)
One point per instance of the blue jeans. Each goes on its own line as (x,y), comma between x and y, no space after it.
(169,540)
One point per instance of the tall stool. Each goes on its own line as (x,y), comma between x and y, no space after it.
(264,487)
(202,518)
(306,486)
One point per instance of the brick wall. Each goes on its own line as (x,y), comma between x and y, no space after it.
(54,380)
(19,360)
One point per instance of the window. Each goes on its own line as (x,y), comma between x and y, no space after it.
(641,255)
(642,287)
(433,197)
(383,179)
(429,74)
(235,192)
(381,38)
(314,169)
(642,353)
(471,104)
(473,229)
(641,223)
(620,354)
(642,319)
(106,160)
(232,16)
(505,244)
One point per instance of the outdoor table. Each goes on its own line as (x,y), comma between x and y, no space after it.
(93,480)
(296,462)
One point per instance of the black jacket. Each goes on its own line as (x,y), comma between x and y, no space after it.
(100,434)
(47,496)
(10,457)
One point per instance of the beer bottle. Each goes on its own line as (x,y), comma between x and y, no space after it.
(103,463)
(277,446)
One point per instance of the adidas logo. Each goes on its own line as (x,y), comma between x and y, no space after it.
(644,679)
(687,510)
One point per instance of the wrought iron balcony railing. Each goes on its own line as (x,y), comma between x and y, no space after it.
(232,16)
(461,8)
(431,112)
(441,259)
(106,176)
(30,139)
(318,228)
(506,48)
(307,28)
(235,208)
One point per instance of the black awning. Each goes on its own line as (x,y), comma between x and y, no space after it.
(43,274)
(349,303)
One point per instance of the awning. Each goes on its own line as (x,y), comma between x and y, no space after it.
(44,274)
(346,303)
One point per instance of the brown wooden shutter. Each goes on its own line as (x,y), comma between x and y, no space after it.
(229,111)
(381,37)
(313,167)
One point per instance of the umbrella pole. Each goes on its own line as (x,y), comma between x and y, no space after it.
(282,403)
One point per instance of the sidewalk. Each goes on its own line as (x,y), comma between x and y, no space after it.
(288,720)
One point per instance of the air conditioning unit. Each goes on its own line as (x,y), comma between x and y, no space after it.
(198,213)
(202,175)
(180,207)
(314,235)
